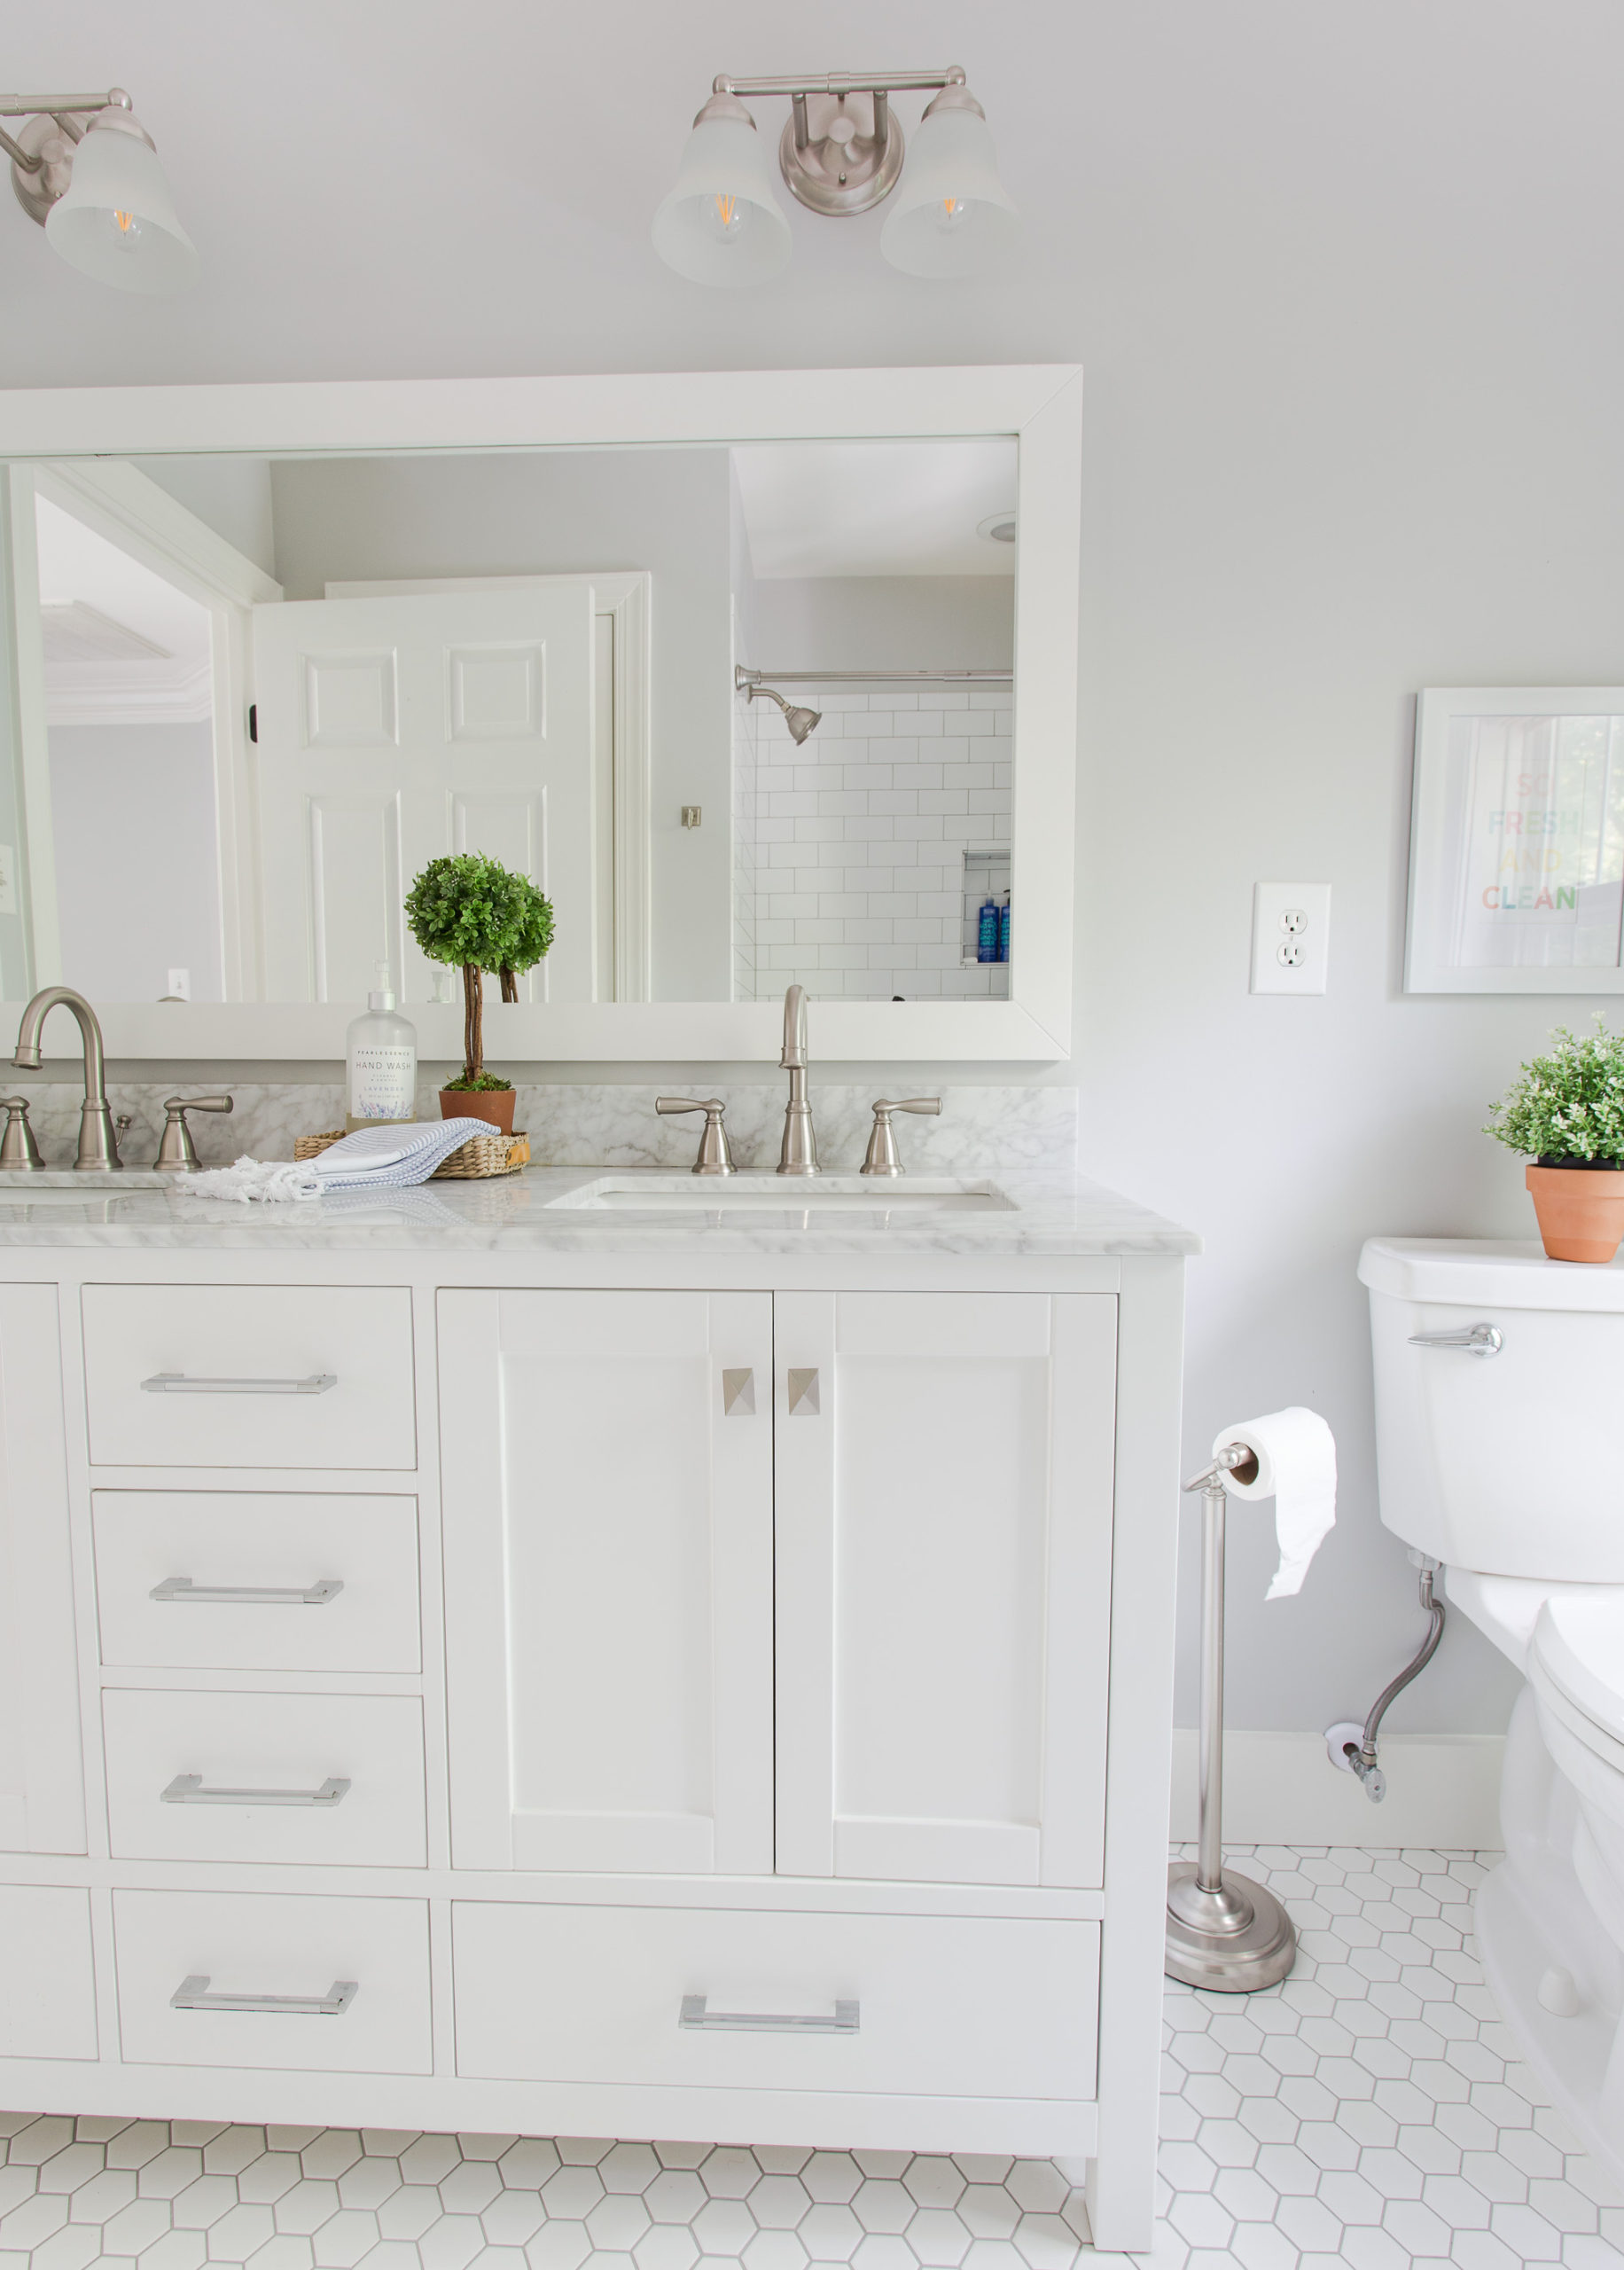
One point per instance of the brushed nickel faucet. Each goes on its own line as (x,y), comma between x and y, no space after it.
(99,1149)
(798,1152)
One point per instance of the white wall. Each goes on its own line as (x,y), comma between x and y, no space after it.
(883,622)
(132,810)
(230,495)
(666,510)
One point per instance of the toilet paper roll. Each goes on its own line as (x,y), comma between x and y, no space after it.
(1297,1467)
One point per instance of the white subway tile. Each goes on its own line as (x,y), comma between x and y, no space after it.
(945,801)
(903,802)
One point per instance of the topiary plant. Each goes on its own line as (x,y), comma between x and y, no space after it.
(478,915)
(1567,1110)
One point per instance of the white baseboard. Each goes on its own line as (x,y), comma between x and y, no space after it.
(1443,1791)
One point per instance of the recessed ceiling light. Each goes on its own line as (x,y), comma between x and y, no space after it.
(999,525)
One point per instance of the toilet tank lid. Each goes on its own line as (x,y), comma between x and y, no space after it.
(1579,1644)
(1489,1273)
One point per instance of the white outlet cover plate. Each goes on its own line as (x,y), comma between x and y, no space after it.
(1294,919)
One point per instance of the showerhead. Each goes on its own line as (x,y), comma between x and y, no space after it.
(801,722)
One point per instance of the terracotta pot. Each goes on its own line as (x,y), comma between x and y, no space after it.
(1580,1211)
(496,1106)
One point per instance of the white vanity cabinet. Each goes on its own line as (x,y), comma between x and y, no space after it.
(572,1686)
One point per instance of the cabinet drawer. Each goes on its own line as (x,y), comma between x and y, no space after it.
(295,1744)
(224,1544)
(47,1972)
(245,1365)
(946,2006)
(252,1945)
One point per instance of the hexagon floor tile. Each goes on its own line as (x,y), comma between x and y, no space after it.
(1370,2112)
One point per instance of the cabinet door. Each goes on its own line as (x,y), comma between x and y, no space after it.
(943,1517)
(607,1463)
(42,1787)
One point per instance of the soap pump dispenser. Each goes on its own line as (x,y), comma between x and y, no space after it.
(381,1062)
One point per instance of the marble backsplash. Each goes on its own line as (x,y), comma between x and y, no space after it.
(1031,1130)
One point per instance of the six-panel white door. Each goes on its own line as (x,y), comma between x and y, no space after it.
(944,1470)
(607,1476)
(392,730)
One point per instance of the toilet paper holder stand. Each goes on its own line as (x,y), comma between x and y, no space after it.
(1223,1931)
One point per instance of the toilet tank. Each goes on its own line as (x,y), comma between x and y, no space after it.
(1510,1463)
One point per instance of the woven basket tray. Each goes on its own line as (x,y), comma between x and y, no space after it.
(477,1159)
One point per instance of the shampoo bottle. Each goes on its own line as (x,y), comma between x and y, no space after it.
(381,1062)
(1004,930)
(987,930)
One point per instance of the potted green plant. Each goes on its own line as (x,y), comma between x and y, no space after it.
(478,915)
(1567,1115)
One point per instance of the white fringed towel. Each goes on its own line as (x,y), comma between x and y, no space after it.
(1297,1467)
(373,1158)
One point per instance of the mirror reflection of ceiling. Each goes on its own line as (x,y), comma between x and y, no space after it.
(876,508)
(121,646)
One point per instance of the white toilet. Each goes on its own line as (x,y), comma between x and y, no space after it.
(1500,1437)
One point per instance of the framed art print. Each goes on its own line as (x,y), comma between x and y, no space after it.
(1517,841)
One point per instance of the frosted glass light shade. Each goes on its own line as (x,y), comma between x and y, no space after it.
(722,223)
(950,214)
(116,220)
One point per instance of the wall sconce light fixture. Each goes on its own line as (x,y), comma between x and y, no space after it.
(841,152)
(84,167)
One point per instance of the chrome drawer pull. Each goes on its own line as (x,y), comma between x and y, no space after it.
(187,1790)
(1477,1339)
(177,1383)
(695,2018)
(255,1595)
(193,1995)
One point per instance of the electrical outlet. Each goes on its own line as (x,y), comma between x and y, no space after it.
(1290,936)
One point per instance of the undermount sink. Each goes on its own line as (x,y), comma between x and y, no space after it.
(771,1193)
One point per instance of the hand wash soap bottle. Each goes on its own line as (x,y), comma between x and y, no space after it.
(381,1088)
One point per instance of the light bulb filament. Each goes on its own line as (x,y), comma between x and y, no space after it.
(125,222)
(726,206)
(951,207)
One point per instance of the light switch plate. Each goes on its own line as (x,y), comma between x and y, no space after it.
(1291,937)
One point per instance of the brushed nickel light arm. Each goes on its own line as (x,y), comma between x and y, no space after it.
(44,154)
(838,158)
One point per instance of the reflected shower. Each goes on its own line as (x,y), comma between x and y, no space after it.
(801,722)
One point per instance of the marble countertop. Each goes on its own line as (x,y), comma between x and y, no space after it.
(1042,1215)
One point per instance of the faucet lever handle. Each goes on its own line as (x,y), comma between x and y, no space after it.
(882,1157)
(19,1154)
(176,1153)
(714,1156)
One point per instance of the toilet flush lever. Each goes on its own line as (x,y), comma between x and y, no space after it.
(1476,1339)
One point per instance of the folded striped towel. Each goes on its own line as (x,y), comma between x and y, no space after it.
(373,1158)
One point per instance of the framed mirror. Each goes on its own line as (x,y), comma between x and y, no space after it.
(763,677)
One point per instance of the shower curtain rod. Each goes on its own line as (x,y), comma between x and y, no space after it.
(742,677)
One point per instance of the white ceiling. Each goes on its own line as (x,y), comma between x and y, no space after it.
(876,508)
(414,189)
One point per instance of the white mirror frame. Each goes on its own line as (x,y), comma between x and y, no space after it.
(1040,403)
